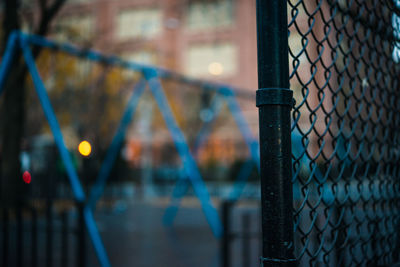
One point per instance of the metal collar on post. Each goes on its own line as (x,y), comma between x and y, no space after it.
(275,102)
(275,96)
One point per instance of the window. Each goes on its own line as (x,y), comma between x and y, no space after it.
(209,14)
(138,23)
(146,57)
(211,59)
(75,29)
(143,57)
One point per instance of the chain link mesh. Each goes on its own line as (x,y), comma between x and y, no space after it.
(345,131)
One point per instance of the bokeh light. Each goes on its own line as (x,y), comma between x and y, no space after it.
(85,148)
(215,68)
(26,176)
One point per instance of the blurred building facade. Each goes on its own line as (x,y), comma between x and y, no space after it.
(212,39)
(208,39)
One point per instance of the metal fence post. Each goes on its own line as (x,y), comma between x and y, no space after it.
(49,233)
(34,239)
(81,236)
(6,236)
(64,239)
(275,100)
(226,234)
(246,240)
(20,236)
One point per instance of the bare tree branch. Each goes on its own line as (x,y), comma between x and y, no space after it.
(47,16)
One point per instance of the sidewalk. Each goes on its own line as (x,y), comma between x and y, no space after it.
(134,236)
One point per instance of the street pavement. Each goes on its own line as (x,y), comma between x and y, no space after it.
(134,235)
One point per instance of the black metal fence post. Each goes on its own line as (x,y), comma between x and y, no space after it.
(64,239)
(6,242)
(34,244)
(81,247)
(246,240)
(49,233)
(20,236)
(275,100)
(226,237)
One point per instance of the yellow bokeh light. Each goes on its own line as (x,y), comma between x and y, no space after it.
(215,68)
(85,148)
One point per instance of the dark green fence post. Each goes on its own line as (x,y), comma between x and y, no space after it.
(81,236)
(226,236)
(275,101)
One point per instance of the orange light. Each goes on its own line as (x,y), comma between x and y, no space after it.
(85,148)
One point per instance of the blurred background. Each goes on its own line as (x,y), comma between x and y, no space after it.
(212,40)
(208,41)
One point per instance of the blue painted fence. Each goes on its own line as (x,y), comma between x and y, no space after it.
(151,79)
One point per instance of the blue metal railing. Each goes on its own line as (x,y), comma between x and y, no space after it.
(151,76)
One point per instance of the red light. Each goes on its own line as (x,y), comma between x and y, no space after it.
(26,176)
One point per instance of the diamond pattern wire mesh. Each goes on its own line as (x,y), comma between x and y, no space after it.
(345,132)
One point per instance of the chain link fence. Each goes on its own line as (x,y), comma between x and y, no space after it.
(343,59)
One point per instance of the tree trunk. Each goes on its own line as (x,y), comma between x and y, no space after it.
(13,114)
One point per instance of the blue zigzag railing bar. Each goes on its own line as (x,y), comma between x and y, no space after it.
(152,74)
(182,184)
(113,150)
(12,45)
(58,137)
(182,147)
(215,108)
(116,143)
(53,123)
(179,191)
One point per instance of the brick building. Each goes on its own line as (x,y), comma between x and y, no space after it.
(214,40)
